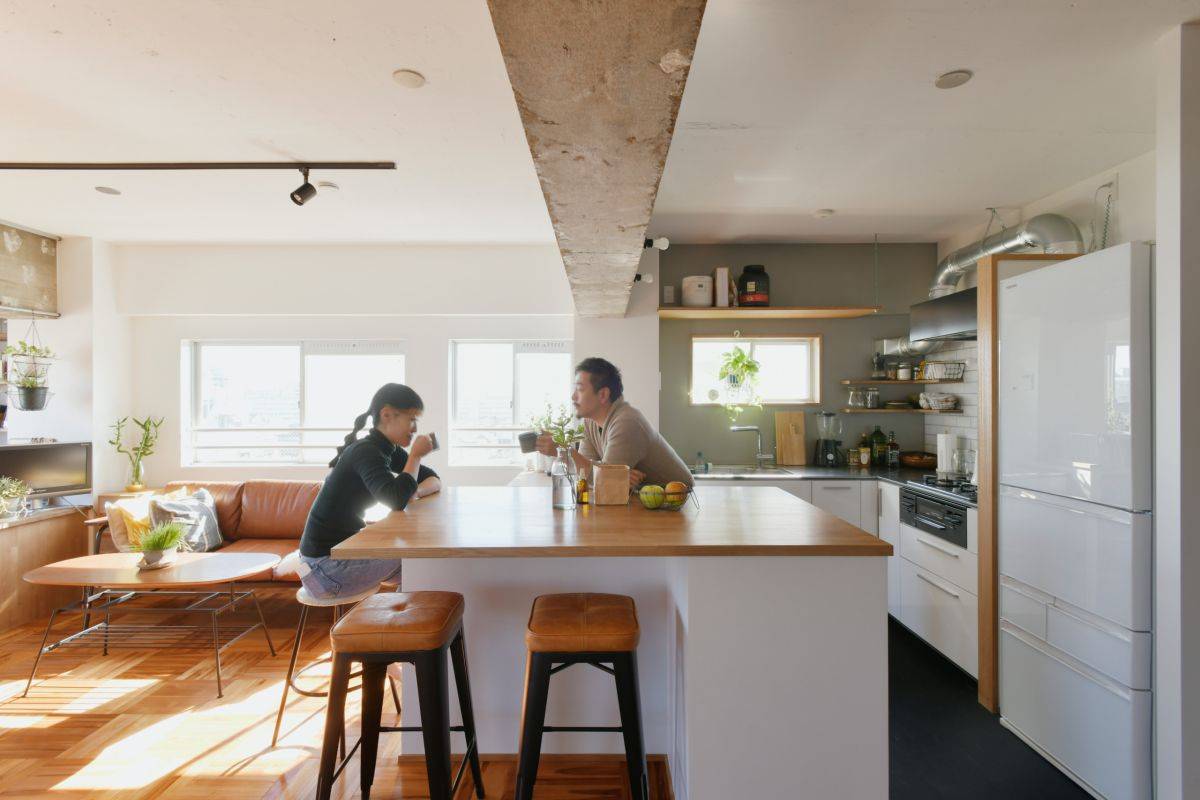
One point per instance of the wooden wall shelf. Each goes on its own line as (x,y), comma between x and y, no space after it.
(900,411)
(769,312)
(884,382)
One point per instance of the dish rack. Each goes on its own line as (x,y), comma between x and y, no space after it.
(948,371)
(937,401)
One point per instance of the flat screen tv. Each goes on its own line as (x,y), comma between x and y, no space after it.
(51,470)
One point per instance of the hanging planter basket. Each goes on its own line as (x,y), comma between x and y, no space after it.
(29,398)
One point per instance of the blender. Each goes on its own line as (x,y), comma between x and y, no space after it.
(829,432)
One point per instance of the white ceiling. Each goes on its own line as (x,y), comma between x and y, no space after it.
(223,80)
(794,106)
(791,105)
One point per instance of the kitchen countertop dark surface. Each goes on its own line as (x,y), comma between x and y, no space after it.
(900,477)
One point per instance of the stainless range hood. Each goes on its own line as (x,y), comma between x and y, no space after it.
(946,318)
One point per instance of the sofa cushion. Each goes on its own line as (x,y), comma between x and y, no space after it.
(283,572)
(276,509)
(228,497)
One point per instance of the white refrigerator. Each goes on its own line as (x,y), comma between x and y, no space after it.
(1075,532)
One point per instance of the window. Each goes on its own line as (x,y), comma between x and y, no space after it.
(279,402)
(788,373)
(495,389)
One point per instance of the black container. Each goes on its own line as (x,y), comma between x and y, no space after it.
(754,286)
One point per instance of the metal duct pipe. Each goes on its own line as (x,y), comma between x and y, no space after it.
(1053,233)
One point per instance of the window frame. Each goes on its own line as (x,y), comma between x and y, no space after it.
(815,365)
(191,427)
(567,347)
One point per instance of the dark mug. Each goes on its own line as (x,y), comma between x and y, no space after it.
(528,441)
(433,441)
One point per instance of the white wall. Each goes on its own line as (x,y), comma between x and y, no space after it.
(426,296)
(320,280)
(631,342)
(1133,207)
(112,371)
(1177,427)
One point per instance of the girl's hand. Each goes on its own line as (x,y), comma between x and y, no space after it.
(421,446)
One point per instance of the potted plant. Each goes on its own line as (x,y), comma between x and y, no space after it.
(144,447)
(739,374)
(28,365)
(13,492)
(562,426)
(159,546)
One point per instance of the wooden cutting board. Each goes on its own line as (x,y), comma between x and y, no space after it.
(790,450)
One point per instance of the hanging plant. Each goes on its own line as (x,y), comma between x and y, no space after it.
(28,365)
(739,376)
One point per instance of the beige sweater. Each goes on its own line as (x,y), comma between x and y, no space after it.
(627,437)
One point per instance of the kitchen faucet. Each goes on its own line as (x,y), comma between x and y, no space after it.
(759,456)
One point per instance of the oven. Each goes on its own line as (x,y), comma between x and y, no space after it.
(937,516)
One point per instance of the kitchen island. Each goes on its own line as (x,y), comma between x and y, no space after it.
(763,656)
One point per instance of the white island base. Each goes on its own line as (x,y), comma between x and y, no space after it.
(762,678)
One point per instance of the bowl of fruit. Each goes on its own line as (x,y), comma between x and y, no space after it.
(671,497)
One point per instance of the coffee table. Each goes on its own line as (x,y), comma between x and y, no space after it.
(111,581)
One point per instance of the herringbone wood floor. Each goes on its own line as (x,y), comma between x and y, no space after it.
(148,724)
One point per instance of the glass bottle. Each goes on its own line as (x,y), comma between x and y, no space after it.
(893,451)
(562,482)
(878,448)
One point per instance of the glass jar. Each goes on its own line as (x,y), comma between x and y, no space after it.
(904,372)
(857,398)
(562,482)
(872,400)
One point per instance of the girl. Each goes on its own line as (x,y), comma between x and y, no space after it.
(364,473)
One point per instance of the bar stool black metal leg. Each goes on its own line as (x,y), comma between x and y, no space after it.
(629,700)
(395,693)
(373,675)
(335,725)
(462,679)
(291,670)
(533,718)
(433,693)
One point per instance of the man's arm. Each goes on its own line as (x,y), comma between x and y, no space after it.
(627,444)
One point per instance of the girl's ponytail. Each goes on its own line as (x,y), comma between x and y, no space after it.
(395,395)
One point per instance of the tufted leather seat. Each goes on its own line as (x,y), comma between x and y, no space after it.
(398,622)
(582,623)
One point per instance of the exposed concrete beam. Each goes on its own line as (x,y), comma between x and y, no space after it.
(598,85)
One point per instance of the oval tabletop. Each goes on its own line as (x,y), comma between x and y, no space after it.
(119,570)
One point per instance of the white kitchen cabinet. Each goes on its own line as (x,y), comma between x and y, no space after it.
(888,526)
(868,506)
(941,613)
(840,498)
(956,564)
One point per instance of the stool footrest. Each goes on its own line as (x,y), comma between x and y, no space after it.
(557,668)
(582,729)
(415,729)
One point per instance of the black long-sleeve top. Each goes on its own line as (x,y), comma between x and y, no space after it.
(363,476)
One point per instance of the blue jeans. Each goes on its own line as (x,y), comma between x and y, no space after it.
(344,577)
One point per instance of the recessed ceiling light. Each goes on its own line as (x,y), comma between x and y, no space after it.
(409,78)
(823,213)
(107,190)
(328,186)
(953,79)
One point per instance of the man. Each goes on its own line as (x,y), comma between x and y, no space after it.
(615,432)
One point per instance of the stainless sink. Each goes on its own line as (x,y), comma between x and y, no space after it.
(743,472)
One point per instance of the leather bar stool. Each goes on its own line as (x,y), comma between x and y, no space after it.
(417,628)
(594,629)
(339,605)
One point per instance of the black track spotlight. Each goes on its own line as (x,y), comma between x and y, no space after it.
(306,191)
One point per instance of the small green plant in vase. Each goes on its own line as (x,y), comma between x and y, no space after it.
(13,492)
(136,453)
(159,546)
(561,424)
(739,376)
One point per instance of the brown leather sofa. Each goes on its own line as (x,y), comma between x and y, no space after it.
(259,516)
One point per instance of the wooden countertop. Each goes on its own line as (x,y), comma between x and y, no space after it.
(43,514)
(495,521)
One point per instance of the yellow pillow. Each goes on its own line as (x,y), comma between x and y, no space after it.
(129,518)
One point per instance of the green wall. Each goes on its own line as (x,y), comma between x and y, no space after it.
(801,274)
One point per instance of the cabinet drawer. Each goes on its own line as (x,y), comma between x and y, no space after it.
(1095,727)
(944,615)
(955,564)
(1024,606)
(840,498)
(1119,653)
